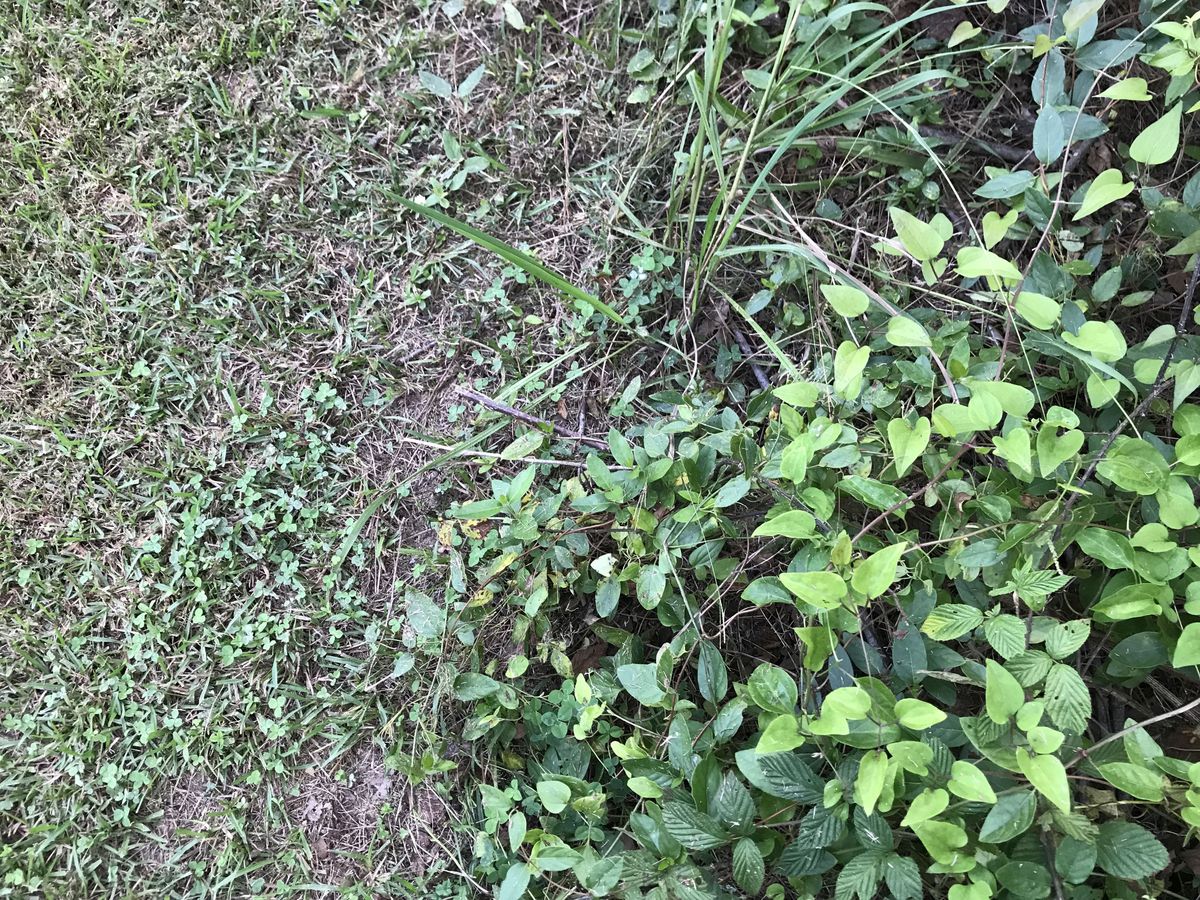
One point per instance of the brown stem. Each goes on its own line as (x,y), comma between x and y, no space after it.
(1162,717)
(522,416)
(915,494)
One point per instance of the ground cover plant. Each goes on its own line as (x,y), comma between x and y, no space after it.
(809,513)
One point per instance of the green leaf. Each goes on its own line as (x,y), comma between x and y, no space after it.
(1049,136)
(651,584)
(711,673)
(953,620)
(872,771)
(1133,601)
(908,442)
(1109,547)
(1006,634)
(920,239)
(525,445)
(1011,816)
(1075,859)
(902,878)
(913,756)
(1067,699)
(1135,780)
(732,492)
(967,782)
(554,795)
(1078,13)
(786,776)
(975,262)
(515,883)
(1187,648)
(1107,187)
(772,689)
(641,682)
(963,32)
(1128,851)
(848,364)
(1054,449)
(521,260)
(859,877)
(795,523)
(823,589)
(1135,465)
(1158,141)
(1015,448)
(917,715)
(875,574)
(1004,694)
(733,804)
(1065,638)
(905,332)
(995,227)
(1048,775)
(749,869)
(845,300)
(692,828)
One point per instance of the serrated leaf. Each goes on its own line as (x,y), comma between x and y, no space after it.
(902,878)
(1006,634)
(953,620)
(860,876)
(1129,851)
(748,866)
(786,776)
(1067,699)
(733,804)
(692,828)
(1065,638)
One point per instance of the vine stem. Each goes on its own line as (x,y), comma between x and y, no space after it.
(962,451)
(1162,717)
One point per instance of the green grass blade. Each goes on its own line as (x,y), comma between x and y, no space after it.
(523,261)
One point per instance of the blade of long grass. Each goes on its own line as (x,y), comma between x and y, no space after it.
(521,260)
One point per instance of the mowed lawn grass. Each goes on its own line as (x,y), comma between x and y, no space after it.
(219,335)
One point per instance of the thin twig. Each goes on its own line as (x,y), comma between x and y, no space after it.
(915,494)
(483,454)
(522,416)
(1055,878)
(748,352)
(1161,383)
(1162,717)
(1006,152)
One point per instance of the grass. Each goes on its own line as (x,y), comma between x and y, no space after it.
(225,339)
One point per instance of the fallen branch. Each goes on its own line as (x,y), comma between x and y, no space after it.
(521,416)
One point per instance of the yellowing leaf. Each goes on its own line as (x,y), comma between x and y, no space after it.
(1159,141)
(1128,89)
(845,300)
(823,589)
(1101,339)
(1107,187)
(975,262)
(848,364)
(964,31)
(995,227)
(905,332)
(1038,310)
(919,238)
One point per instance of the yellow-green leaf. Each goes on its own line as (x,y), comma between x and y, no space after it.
(1107,187)
(1159,141)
